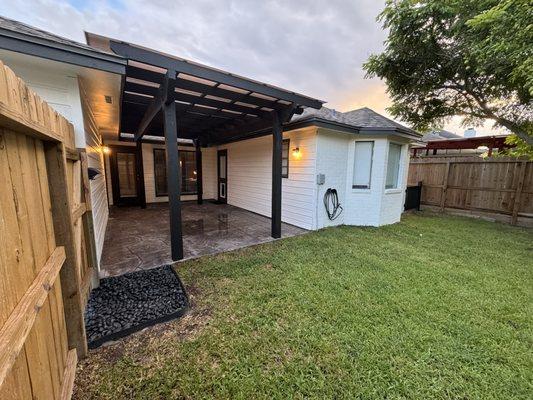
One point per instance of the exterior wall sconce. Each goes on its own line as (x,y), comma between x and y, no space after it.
(296,152)
(106,150)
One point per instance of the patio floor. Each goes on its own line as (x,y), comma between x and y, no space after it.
(138,239)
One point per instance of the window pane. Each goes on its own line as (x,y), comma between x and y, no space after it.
(126,174)
(187,164)
(160,172)
(393,166)
(222,166)
(362,167)
(188,171)
(285,146)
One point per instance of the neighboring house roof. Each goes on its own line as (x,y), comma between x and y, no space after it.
(439,135)
(19,37)
(360,121)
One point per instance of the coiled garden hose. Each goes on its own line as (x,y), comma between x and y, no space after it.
(331,202)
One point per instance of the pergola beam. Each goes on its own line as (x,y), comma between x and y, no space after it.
(164,93)
(183,66)
(146,90)
(193,86)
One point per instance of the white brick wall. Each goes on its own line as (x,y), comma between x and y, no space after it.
(332,161)
(375,206)
(394,199)
(363,205)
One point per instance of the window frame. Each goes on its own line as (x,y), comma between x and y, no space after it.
(360,187)
(396,186)
(288,141)
(165,194)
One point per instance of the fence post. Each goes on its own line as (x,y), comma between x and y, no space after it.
(88,224)
(518,192)
(445,186)
(56,165)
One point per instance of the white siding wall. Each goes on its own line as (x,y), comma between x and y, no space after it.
(250,177)
(95,159)
(59,89)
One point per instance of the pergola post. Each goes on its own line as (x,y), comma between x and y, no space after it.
(199,178)
(173,181)
(277,137)
(140,174)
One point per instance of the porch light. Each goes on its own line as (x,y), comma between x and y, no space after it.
(296,152)
(106,150)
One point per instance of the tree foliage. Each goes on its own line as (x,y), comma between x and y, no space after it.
(471,58)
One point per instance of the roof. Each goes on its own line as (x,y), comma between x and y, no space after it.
(22,38)
(439,135)
(360,121)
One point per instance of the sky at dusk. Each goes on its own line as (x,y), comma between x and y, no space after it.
(315,47)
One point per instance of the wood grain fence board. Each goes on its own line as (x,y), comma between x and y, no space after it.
(520,186)
(17,328)
(68,377)
(494,185)
(35,142)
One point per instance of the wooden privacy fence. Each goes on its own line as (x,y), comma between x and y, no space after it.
(45,246)
(503,186)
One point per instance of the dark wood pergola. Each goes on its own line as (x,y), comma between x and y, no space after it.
(175,98)
(492,142)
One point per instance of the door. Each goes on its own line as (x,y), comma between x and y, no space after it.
(222,176)
(124,175)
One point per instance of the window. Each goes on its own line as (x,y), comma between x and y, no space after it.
(285,145)
(362,166)
(187,160)
(393,166)
(160,172)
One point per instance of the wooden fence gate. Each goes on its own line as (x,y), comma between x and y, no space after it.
(501,186)
(46,246)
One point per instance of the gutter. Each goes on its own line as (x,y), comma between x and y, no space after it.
(43,48)
(326,124)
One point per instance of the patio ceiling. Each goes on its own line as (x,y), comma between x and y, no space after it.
(212,106)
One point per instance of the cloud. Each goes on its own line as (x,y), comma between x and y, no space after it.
(315,47)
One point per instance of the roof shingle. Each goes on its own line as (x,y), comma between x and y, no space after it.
(359,119)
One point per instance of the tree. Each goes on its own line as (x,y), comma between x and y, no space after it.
(471,58)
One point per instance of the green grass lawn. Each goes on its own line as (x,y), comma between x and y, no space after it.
(432,307)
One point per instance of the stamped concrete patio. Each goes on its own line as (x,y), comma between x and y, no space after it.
(138,239)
